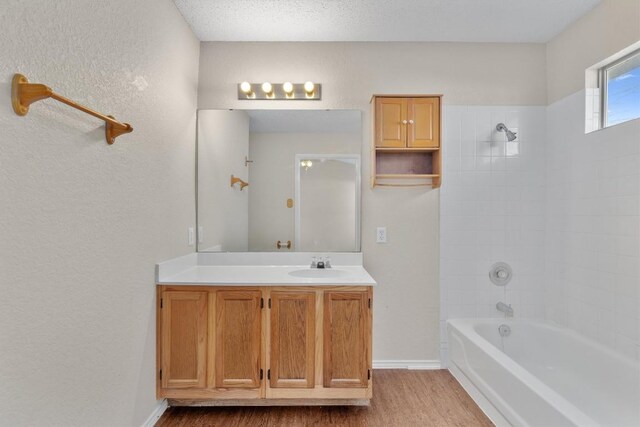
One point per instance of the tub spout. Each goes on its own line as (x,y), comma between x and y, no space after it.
(504,308)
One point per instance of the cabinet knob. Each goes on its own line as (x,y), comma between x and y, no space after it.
(410,122)
(404,122)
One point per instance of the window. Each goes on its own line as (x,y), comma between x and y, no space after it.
(620,90)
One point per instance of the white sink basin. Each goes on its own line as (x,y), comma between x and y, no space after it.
(319,273)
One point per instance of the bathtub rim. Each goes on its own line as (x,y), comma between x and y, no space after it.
(465,327)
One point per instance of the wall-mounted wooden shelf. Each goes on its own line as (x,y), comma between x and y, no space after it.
(406,176)
(407,150)
(406,141)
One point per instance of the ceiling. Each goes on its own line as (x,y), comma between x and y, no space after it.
(506,21)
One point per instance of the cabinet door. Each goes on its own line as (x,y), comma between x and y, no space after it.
(292,355)
(391,122)
(347,339)
(237,359)
(184,333)
(424,123)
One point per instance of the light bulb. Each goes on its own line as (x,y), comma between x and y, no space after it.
(287,87)
(245,87)
(309,87)
(267,88)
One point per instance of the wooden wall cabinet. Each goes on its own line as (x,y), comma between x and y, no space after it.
(264,345)
(406,140)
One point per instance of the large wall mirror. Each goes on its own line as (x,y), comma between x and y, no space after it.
(302,168)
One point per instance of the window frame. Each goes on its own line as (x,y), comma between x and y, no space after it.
(602,85)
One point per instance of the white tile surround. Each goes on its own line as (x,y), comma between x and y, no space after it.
(492,209)
(560,206)
(593,227)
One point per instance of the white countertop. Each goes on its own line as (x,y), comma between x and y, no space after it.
(240,270)
(238,275)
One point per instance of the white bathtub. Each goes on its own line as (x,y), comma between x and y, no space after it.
(542,375)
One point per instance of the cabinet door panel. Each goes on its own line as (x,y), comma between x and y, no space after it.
(184,332)
(292,339)
(346,339)
(390,130)
(424,132)
(237,359)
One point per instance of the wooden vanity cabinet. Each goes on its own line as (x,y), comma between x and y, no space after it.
(237,339)
(293,339)
(346,342)
(406,140)
(183,362)
(264,345)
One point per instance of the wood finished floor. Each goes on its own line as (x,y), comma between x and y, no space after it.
(400,398)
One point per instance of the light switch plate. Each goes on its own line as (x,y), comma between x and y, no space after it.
(200,234)
(381,235)
(192,236)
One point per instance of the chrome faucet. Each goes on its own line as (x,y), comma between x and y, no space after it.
(504,308)
(320,262)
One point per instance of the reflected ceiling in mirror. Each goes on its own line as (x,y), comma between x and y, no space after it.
(303,171)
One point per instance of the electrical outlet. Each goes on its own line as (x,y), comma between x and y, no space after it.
(200,234)
(192,236)
(381,235)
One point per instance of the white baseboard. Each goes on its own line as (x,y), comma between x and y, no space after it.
(156,414)
(422,365)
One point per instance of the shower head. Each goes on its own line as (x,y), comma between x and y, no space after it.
(502,128)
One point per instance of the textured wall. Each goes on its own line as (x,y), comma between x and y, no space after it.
(406,301)
(466,73)
(82,223)
(610,27)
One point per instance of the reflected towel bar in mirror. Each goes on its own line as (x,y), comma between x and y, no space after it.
(236,180)
(280,245)
(23,94)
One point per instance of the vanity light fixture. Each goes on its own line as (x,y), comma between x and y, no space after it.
(286,91)
(306,164)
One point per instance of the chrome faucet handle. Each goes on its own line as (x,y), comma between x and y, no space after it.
(327,262)
(314,262)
